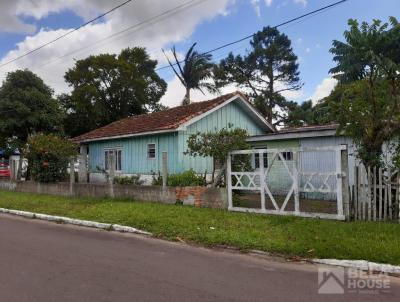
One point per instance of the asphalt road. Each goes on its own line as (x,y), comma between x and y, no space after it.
(43,261)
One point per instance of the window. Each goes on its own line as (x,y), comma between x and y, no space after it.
(118,158)
(287,155)
(257,160)
(151,151)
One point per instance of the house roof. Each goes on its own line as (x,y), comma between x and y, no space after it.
(163,121)
(298,132)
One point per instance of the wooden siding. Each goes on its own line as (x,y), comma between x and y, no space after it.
(134,153)
(134,150)
(229,114)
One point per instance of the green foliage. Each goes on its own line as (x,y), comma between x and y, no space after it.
(48,157)
(128,180)
(157,179)
(185,179)
(27,107)
(195,73)
(110,87)
(268,70)
(217,144)
(290,236)
(366,101)
(370,51)
(307,114)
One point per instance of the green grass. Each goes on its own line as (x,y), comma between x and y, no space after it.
(289,236)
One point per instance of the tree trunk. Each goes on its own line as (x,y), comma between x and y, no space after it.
(219,176)
(186,99)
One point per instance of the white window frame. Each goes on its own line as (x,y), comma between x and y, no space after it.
(265,156)
(148,151)
(118,159)
(285,155)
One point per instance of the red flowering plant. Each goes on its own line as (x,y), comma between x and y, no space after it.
(48,157)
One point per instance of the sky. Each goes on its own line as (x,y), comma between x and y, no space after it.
(26,24)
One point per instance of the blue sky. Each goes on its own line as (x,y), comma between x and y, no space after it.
(209,24)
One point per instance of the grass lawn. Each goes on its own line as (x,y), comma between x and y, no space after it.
(289,236)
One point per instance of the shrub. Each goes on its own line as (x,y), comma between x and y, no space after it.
(128,180)
(186,179)
(48,157)
(157,179)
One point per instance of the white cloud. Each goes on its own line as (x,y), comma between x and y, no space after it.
(268,2)
(155,36)
(299,40)
(308,50)
(323,89)
(256,6)
(302,2)
(175,93)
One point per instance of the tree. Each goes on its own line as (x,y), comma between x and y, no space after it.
(268,70)
(27,107)
(48,157)
(367,100)
(307,114)
(217,145)
(195,73)
(109,87)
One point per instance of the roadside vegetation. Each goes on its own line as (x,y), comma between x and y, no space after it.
(288,236)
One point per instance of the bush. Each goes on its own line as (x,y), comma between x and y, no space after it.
(185,179)
(128,180)
(48,157)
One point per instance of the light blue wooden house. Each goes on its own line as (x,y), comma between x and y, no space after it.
(138,142)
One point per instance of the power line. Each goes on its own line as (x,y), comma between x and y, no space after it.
(134,27)
(252,35)
(66,34)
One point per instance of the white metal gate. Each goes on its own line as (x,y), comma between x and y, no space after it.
(301,175)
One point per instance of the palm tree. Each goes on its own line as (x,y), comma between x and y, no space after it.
(195,73)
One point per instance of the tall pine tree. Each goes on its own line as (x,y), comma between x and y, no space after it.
(268,70)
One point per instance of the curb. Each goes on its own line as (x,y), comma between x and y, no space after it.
(78,222)
(361,265)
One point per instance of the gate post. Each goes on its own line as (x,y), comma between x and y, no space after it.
(229,180)
(262,179)
(296,182)
(344,165)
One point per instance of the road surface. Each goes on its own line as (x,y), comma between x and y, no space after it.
(43,261)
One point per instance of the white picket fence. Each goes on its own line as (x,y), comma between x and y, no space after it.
(375,195)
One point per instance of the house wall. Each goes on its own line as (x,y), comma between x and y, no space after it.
(134,149)
(279,181)
(231,114)
(134,154)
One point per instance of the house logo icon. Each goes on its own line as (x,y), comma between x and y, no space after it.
(331,280)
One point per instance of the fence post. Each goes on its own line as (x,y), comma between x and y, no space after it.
(111,173)
(345,198)
(13,174)
(296,182)
(262,179)
(71,175)
(82,172)
(229,180)
(164,168)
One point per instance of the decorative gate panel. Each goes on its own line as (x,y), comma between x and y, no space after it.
(282,176)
